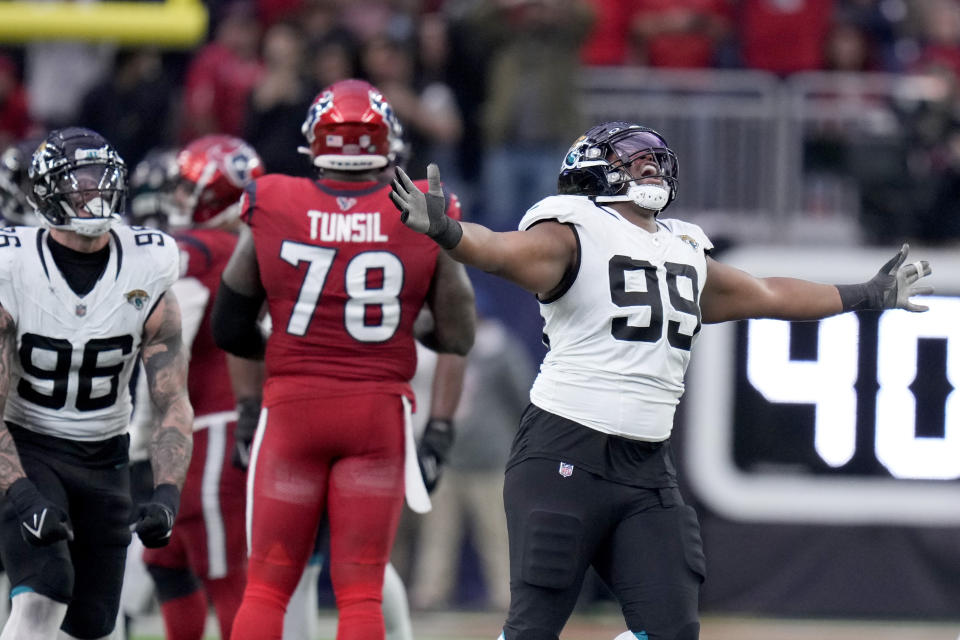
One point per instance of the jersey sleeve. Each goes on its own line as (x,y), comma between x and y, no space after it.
(192,297)
(566,209)
(11,244)
(168,263)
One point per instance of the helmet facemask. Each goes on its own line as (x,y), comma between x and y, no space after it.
(620,162)
(79,183)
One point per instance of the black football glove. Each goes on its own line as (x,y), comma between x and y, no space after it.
(154,519)
(891,288)
(248,415)
(41,521)
(433,450)
(425,212)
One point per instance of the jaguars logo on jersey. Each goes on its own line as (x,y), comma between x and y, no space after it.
(138,298)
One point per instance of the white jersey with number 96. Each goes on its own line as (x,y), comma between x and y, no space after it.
(75,353)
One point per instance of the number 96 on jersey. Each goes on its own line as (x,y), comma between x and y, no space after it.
(854,419)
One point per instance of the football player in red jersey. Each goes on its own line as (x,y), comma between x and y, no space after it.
(206,557)
(344,281)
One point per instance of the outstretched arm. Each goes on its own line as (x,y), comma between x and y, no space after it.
(535,259)
(732,294)
(165,364)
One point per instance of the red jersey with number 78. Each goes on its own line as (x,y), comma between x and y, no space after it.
(345,280)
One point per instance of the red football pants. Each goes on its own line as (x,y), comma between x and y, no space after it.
(343,456)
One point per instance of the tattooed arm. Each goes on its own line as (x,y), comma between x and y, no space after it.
(165,363)
(10,468)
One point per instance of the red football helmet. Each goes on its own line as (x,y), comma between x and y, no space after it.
(214,170)
(351,127)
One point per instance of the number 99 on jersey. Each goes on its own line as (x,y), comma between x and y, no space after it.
(853,419)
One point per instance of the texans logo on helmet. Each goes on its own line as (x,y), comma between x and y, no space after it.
(323,104)
(238,165)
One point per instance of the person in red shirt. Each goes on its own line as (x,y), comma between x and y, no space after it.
(206,557)
(15,121)
(679,33)
(343,280)
(221,76)
(766,25)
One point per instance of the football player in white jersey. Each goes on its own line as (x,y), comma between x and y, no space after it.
(623,292)
(80,299)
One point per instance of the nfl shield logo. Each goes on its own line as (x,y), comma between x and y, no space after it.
(81,309)
(566,470)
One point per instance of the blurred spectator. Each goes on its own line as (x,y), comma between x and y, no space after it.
(221,76)
(15,184)
(332,58)
(882,23)
(431,120)
(270,12)
(902,174)
(607,43)
(466,72)
(940,35)
(320,18)
(57,74)
(766,26)
(679,33)
(931,150)
(532,100)
(939,223)
(278,101)
(367,19)
(469,497)
(132,106)
(14,114)
(848,48)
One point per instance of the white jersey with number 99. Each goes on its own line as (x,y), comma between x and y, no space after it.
(620,333)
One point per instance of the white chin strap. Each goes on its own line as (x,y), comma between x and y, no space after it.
(90,227)
(648,196)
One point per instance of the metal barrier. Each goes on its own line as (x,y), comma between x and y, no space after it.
(741,137)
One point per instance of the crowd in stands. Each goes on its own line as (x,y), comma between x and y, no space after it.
(484,87)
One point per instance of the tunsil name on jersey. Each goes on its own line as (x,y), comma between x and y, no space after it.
(345,227)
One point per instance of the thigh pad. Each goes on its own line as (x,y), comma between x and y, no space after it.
(551,542)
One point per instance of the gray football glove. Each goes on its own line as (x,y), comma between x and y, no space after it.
(891,288)
(425,212)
